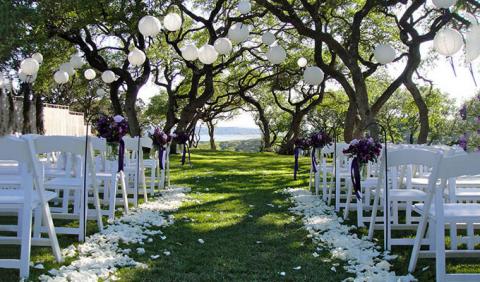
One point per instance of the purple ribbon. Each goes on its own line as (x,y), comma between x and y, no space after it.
(121,155)
(314,160)
(296,153)
(355,176)
(161,152)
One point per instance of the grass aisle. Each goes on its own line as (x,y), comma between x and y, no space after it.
(245,237)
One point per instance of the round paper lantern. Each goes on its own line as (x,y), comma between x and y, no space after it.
(108,76)
(38,57)
(136,57)
(313,75)
(207,54)
(223,45)
(29,66)
(172,22)
(76,61)
(22,76)
(447,42)
(302,62)
(68,68)
(190,52)
(472,43)
(244,7)
(238,33)
(384,53)
(100,92)
(276,54)
(149,26)
(89,74)
(61,77)
(444,4)
(268,38)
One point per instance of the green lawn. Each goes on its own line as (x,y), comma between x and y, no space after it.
(245,238)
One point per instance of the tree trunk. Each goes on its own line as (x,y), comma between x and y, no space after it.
(11,112)
(130,110)
(26,123)
(287,146)
(211,134)
(350,119)
(267,142)
(422,110)
(39,114)
(116,105)
(171,110)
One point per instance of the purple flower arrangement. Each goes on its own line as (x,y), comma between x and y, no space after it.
(362,151)
(111,128)
(302,143)
(320,139)
(365,150)
(160,139)
(182,138)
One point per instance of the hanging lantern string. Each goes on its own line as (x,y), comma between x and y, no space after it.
(453,66)
(473,75)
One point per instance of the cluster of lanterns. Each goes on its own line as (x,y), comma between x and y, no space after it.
(29,68)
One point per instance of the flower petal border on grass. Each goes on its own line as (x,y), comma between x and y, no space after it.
(324,226)
(100,256)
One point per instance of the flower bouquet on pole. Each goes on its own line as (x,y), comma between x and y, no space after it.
(301,145)
(161,142)
(182,139)
(361,151)
(113,129)
(317,141)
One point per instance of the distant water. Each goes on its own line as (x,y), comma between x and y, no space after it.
(229,137)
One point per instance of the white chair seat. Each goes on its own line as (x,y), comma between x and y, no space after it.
(150,163)
(423,181)
(15,197)
(455,212)
(468,182)
(370,182)
(9,180)
(405,194)
(467,192)
(64,182)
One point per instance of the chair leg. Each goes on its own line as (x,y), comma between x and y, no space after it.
(52,235)
(324,184)
(124,191)
(360,213)
(144,186)
(152,180)
(373,218)
(422,225)
(113,197)
(317,182)
(26,239)
(37,223)
(337,193)
(348,201)
(453,236)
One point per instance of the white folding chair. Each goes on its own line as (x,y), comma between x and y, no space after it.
(150,163)
(398,158)
(440,215)
(342,172)
(134,164)
(72,186)
(108,177)
(27,197)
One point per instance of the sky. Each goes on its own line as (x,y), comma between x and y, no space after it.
(460,87)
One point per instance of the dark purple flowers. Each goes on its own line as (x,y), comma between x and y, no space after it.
(160,138)
(462,142)
(320,139)
(111,128)
(181,137)
(463,112)
(302,143)
(365,150)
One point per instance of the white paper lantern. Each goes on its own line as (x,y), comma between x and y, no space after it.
(101,92)
(68,68)
(38,57)
(22,76)
(302,62)
(276,54)
(61,77)
(172,22)
(472,44)
(136,57)
(313,75)
(268,38)
(207,54)
(447,42)
(76,61)
(108,76)
(29,66)
(384,53)
(238,33)
(244,7)
(149,26)
(444,4)
(190,52)
(223,45)
(89,74)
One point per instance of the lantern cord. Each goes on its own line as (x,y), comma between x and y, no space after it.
(473,75)
(453,67)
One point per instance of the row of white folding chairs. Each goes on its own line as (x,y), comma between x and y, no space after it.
(460,215)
